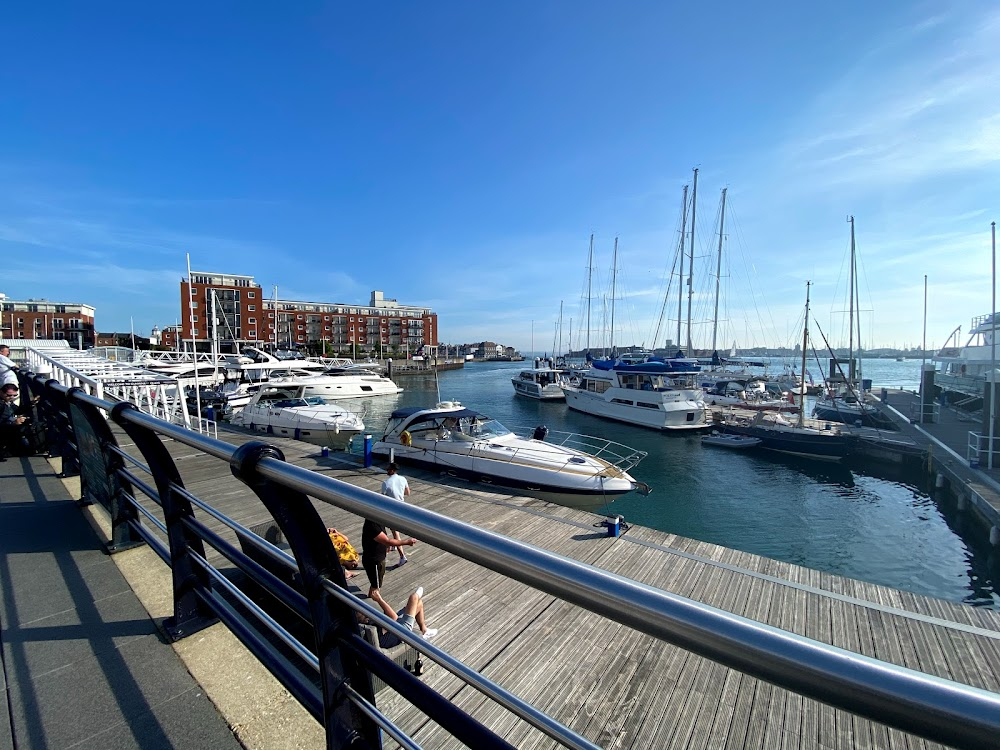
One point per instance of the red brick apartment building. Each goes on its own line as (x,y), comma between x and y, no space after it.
(42,319)
(244,316)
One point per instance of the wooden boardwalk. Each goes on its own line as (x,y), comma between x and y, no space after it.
(617,687)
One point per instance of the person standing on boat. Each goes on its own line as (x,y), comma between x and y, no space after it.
(374,545)
(396,487)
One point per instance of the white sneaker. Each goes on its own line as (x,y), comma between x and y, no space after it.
(419,592)
(431,632)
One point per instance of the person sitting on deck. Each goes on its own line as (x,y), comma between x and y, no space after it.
(410,616)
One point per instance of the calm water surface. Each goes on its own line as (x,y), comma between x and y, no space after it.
(875,524)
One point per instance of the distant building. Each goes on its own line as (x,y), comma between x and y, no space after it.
(232,309)
(121,339)
(42,319)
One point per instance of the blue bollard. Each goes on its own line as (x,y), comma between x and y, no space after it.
(210,413)
(324,452)
(368,451)
(613,525)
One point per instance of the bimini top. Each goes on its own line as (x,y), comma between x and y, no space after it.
(427,415)
(652,367)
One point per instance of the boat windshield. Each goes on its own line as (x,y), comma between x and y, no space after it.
(316,401)
(484,429)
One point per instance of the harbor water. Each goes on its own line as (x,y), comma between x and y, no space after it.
(876,524)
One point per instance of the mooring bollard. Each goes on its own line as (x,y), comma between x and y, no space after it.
(368,451)
(939,480)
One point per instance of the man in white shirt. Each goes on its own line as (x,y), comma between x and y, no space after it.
(396,487)
(8,370)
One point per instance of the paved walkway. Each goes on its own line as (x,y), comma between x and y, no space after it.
(84,665)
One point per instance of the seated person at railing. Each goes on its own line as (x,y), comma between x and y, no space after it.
(15,435)
(409,616)
(374,545)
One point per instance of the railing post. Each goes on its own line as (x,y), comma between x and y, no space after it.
(60,427)
(333,622)
(99,478)
(191,614)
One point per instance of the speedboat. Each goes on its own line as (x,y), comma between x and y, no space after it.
(286,411)
(574,470)
(542,383)
(658,394)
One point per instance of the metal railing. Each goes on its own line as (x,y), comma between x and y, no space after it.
(332,681)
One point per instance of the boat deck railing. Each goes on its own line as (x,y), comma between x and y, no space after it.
(333,679)
(620,456)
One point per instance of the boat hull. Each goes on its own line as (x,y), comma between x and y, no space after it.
(584,493)
(805,443)
(632,408)
(324,436)
(529,389)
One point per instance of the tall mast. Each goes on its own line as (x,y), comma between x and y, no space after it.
(680,274)
(614,279)
(850,316)
(590,273)
(559,351)
(694,208)
(718,269)
(805,346)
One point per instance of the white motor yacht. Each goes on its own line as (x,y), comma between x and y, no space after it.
(964,369)
(542,382)
(286,411)
(661,394)
(574,470)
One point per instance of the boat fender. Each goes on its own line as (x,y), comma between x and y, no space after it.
(405,438)
(540,432)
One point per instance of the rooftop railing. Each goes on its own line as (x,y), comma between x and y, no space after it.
(331,677)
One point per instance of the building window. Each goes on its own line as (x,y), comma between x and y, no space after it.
(194,303)
(251,308)
(252,334)
(302,328)
(194,318)
(57,322)
(251,295)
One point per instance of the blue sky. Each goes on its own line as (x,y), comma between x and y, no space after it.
(459,156)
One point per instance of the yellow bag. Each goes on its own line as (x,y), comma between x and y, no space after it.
(345,551)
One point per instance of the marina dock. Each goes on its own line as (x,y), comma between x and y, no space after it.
(615,686)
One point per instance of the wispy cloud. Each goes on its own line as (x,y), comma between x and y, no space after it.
(922,103)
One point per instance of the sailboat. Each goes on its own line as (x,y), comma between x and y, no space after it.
(778,434)
(846,405)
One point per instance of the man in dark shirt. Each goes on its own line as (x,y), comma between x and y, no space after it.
(374,544)
(13,423)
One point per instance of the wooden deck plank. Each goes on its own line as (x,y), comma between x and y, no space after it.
(614,685)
